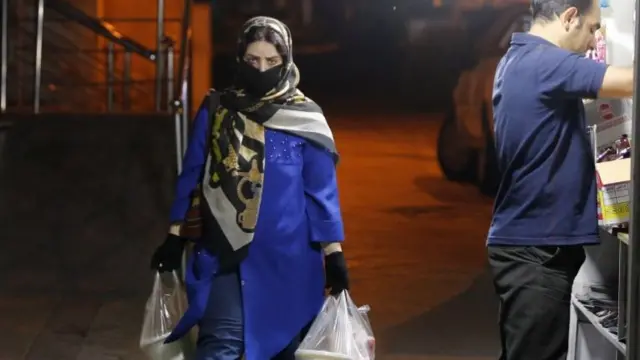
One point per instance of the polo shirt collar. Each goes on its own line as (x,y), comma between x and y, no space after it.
(521,38)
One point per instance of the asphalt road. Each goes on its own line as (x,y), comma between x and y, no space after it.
(415,245)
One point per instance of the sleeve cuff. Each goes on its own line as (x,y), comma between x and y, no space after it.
(327,231)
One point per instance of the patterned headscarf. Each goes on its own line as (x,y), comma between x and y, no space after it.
(286,88)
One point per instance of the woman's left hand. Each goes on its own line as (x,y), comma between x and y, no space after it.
(336,273)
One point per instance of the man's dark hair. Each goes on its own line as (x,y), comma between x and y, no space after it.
(548,9)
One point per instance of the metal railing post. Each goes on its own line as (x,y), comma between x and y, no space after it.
(185,99)
(110,75)
(37,71)
(160,67)
(170,70)
(5,56)
(185,128)
(185,39)
(177,120)
(185,96)
(126,81)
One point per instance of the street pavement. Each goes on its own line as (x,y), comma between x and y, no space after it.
(415,246)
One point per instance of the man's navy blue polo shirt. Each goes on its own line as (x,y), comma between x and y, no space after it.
(547,194)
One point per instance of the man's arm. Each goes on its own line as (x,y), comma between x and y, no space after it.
(617,83)
(565,74)
(568,75)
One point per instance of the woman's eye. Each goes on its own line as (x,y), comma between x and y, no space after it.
(273,62)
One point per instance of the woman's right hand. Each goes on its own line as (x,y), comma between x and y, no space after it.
(168,256)
(336,272)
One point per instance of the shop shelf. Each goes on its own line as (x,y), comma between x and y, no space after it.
(593,319)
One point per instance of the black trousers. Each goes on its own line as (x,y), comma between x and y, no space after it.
(534,287)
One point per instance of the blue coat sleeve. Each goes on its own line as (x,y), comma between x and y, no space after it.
(192,165)
(321,191)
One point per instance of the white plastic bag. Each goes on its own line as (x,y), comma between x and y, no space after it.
(341,332)
(164,308)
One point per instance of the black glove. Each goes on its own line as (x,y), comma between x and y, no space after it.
(168,256)
(336,273)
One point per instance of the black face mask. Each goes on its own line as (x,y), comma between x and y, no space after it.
(256,82)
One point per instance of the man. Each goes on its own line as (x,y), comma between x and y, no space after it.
(545,210)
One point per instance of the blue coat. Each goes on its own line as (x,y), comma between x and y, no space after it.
(283,276)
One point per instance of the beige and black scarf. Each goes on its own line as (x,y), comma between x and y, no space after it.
(233,180)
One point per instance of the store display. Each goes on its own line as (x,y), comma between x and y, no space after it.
(603,303)
(613,181)
(599,294)
(598,328)
(609,128)
(599,53)
(621,149)
(609,125)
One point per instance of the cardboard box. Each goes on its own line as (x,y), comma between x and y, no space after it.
(614,182)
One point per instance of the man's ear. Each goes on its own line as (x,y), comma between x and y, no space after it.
(569,17)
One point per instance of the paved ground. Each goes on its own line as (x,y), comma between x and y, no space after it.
(415,246)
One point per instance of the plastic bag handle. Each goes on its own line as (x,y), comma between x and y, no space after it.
(157,283)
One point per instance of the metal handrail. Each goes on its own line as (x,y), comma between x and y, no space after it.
(87,57)
(100,27)
(181,103)
(108,31)
(162,56)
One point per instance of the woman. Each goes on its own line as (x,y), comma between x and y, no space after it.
(264,166)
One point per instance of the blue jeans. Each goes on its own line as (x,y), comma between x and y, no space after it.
(221,334)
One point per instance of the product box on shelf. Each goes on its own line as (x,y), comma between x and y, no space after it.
(613,181)
(611,119)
